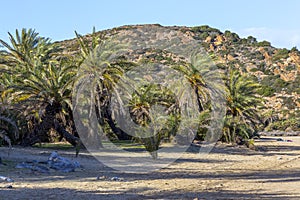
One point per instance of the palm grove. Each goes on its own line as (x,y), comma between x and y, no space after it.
(37,78)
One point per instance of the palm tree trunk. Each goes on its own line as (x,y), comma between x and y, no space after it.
(104,113)
(75,141)
(48,121)
(40,131)
(122,135)
(200,105)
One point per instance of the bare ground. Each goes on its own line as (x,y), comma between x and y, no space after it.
(271,172)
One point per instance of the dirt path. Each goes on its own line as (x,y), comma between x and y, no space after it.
(273,172)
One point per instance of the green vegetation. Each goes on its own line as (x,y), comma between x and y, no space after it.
(54,146)
(37,78)
(162,126)
(272,83)
(38,84)
(287,124)
(290,68)
(242,118)
(281,54)
(205,28)
(294,49)
(264,44)
(266,91)
(202,32)
(251,40)
(203,35)
(231,36)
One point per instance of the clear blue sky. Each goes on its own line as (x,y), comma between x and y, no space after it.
(276,21)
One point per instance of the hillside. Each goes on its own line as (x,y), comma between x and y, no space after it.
(276,69)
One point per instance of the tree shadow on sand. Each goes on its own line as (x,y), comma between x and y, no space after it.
(100,193)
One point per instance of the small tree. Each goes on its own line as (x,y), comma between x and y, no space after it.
(264,44)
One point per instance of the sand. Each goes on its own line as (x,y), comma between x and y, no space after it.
(228,172)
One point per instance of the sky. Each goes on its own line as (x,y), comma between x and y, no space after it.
(274,20)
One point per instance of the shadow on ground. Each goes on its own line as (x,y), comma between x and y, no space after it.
(62,193)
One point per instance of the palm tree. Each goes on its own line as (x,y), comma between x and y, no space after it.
(5,124)
(206,82)
(194,77)
(49,89)
(104,76)
(40,83)
(243,102)
(159,123)
(27,50)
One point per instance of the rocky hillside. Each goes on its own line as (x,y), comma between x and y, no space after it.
(276,69)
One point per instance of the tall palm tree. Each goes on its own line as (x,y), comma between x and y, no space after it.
(194,77)
(243,102)
(205,79)
(104,76)
(40,82)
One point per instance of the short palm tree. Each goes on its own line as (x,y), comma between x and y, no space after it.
(156,111)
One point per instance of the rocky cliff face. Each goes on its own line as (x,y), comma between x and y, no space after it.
(276,69)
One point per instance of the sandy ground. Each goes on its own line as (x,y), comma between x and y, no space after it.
(271,172)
